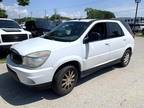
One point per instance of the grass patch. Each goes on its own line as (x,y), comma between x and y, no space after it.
(3,60)
(140,34)
(3,56)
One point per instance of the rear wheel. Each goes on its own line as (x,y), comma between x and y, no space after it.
(65,80)
(126,58)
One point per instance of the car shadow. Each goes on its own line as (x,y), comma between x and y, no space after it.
(17,94)
(97,73)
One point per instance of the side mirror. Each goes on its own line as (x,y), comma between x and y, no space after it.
(91,37)
(86,40)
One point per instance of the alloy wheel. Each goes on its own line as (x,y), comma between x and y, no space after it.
(68,79)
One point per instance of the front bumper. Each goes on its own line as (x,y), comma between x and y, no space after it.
(30,77)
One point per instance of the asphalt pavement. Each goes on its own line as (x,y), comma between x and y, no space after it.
(113,87)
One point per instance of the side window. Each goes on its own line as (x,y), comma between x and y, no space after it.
(114,30)
(98,32)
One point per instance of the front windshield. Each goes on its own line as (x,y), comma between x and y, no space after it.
(68,31)
(8,24)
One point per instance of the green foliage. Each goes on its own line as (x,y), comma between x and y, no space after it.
(3,13)
(58,17)
(2,60)
(55,17)
(143,33)
(23,2)
(98,14)
(65,18)
(25,19)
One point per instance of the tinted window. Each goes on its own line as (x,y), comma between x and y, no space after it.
(99,29)
(68,31)
(128,28)
(114,30)
(8,24)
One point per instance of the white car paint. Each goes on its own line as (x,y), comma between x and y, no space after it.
(3,32)
(88,55)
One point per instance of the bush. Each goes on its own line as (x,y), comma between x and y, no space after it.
(143,32)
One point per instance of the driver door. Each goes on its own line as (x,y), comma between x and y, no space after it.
(97,49)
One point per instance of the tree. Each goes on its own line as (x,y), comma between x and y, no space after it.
(46,17)
(98,14)
(23,2)
(3,13)
(55,17)
(23,19)
(65,18)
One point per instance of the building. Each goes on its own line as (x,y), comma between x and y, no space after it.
(139,26)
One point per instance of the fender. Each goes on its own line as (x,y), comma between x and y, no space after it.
(68,59)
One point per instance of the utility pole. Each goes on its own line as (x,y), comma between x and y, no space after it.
(45,11)
(135,19)
(31,14)
(55,13)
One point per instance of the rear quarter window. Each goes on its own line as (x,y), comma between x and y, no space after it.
(114,30)
(128,28)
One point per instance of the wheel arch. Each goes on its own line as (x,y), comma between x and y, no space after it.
(130,48)
(75,63)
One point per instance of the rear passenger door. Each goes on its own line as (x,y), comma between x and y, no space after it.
(117,40)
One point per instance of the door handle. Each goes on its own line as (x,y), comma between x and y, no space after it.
(106,43)
(124,39)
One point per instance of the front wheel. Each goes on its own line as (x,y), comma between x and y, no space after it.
(126,58)
(65,80)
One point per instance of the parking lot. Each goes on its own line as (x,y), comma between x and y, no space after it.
(113,87)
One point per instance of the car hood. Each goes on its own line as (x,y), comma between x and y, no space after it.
(38,44)
(11,29)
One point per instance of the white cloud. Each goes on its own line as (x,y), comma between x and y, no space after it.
(76,14)
(126,11)
(14,11)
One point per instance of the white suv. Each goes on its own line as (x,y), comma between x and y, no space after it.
(72,50)
(11,33)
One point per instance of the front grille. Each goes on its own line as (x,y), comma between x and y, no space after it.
(15,57)
(13,37)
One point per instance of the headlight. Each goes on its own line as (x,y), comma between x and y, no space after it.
(36,59)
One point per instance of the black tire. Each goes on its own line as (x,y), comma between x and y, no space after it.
(126,58)
(65,80)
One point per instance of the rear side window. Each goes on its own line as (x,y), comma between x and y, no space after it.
(128,28)
(114,30)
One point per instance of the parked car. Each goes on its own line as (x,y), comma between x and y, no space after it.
(11,33)
(40,27)
(23,26)
(142,28)
(72,50)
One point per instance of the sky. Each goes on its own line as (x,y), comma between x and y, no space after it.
(71,8)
